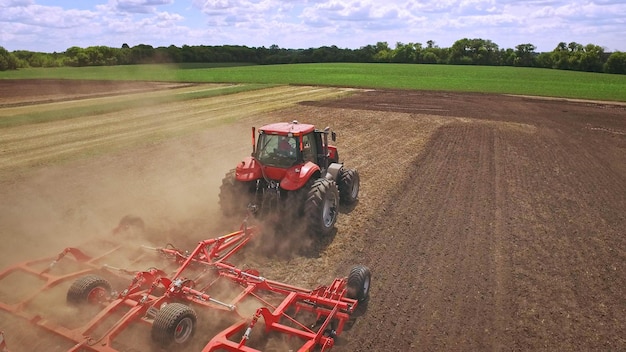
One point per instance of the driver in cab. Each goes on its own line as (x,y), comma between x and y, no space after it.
(286,148)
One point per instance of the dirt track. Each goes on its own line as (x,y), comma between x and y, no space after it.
(489,222)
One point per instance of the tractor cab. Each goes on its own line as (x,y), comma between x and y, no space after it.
(278,150)
(284,145)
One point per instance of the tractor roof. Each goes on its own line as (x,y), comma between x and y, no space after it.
(284,128)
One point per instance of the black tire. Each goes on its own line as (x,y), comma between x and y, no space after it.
(349,184)
(130,224)
(359,281)
(321,206)
(294,205)
(234,195)
(174,323)
(88,289)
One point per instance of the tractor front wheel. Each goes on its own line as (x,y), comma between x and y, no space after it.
(91,289)
(174,323)
(234,195)
(322,206)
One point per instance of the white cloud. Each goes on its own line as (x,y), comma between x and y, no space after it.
(50,17)
(138,6)
(15,3)
(25,24)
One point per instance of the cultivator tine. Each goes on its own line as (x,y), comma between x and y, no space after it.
(3,344)
(120,270)
(77,253)
(246,335)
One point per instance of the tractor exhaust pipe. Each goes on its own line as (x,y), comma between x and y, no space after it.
(253,141)
(325,148)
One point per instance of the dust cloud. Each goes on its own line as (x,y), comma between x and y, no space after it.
(172,186)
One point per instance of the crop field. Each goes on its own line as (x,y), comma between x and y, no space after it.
(489,221)
(480,79)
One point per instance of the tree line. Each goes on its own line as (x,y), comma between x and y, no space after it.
(565,56)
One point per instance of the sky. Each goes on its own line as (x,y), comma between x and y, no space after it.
(54,26)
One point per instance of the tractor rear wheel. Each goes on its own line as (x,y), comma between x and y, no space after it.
(321,206)
(349,183)
(359,283)
(88,289)
(234,195)
(174,323)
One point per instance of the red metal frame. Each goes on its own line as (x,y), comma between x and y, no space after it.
(149,290)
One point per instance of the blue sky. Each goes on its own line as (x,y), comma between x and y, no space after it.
(49,26)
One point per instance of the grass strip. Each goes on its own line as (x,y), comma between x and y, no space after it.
(105,108)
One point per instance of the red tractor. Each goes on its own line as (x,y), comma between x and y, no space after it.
(293,170)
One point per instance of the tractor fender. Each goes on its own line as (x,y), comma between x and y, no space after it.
(333,171)
(248,169)
(333,154)
(297,176)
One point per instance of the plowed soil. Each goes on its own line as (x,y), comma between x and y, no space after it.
(489,222)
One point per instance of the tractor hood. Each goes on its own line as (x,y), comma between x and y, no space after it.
(290,179)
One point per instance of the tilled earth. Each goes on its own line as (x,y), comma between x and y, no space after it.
(489,222)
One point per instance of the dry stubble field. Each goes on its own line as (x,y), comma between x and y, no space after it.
(490,222)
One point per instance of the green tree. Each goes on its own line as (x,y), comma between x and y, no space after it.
(591,58)
(76,56)
(8,61)
(429,57)
(544,60)
(383,52)
(433,54)
(326,54)
(616,63)
(474,52)
(94,55)
(560,57)
(525,55)
(574,57)
(508,57)
(365,53)
(141,54)
(123,55)
(406,53)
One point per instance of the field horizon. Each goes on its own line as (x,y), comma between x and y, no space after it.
(454,78)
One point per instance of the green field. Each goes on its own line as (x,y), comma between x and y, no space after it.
(486,79)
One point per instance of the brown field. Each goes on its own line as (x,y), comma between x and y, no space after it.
(489,222)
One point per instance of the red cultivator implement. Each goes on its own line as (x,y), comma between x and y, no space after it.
(196,301)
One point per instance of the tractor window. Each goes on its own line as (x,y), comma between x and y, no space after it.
(279,151)
(309,148)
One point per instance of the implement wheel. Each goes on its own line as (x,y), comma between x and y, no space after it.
(349,183)
(359,281)
(88,289)
(174,323)
(321,206)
